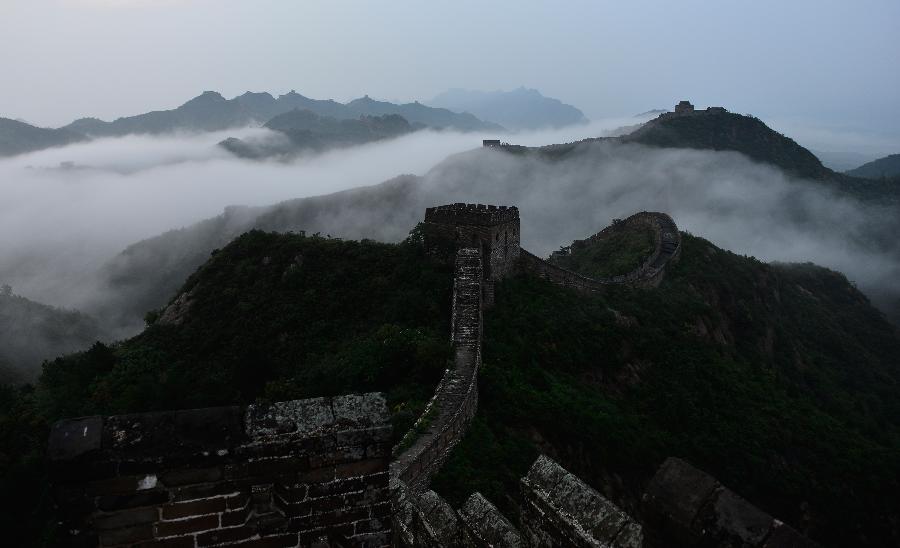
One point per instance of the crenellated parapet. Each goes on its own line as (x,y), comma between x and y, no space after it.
(471,214)
(292,473)
(492,230)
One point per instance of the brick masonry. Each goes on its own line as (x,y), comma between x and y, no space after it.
(427,445)
(285,474)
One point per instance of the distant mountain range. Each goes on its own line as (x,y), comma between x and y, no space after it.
(518,109)
(889,166)
(843,161)
(305,130)
(210,111)
(17,137)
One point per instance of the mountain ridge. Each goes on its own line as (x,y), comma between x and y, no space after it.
(517,109)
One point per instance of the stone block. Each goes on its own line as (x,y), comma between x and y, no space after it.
(487,525)
(73,438)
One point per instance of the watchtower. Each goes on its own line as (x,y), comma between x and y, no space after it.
(684,107)
(494,230)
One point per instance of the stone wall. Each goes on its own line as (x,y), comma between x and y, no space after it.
(445,419)
(493,230)
(285,474)
(558,509)
(666,250)
(684,506)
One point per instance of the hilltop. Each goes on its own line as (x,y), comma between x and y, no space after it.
(517,109)
(887,167)
(210,111)
(306,131)
(31,332)
(768,376)
(721,130)
(18,137)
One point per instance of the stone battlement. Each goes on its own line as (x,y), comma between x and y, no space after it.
(471,214)
(285,474)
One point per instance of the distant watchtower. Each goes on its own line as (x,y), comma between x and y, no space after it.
(684,107)
(494,230)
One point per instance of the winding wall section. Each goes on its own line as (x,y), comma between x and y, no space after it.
(666,249)
(425,448)
(455,401)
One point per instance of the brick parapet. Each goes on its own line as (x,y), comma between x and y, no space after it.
(471,214)
(447,415)
(283,474)
(558,509)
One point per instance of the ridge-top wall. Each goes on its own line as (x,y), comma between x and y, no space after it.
(492,230)
(455,401)
(666,250)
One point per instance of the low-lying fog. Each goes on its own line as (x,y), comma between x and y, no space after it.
(65,212)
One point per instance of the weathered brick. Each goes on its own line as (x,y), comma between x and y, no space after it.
(204,491)
(235,517)
(187,476)
(126,518)
(174,542)
(343,515)
(363,437)
(361,468)
(316,475)
(193,508)
(336,486)
(377,480)
(372,540)
(272,541)
(185,526)
(222,536)
(369,526)
(277,466)
(238,501)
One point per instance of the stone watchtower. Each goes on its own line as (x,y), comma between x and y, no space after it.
(493,230)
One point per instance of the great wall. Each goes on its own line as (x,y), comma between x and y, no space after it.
(320,472)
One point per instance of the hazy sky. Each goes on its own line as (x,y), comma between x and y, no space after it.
(820,64)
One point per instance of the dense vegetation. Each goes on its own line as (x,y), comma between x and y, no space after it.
(269,317)
(32,332)
(780,380)
(887,167)
(617,253)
